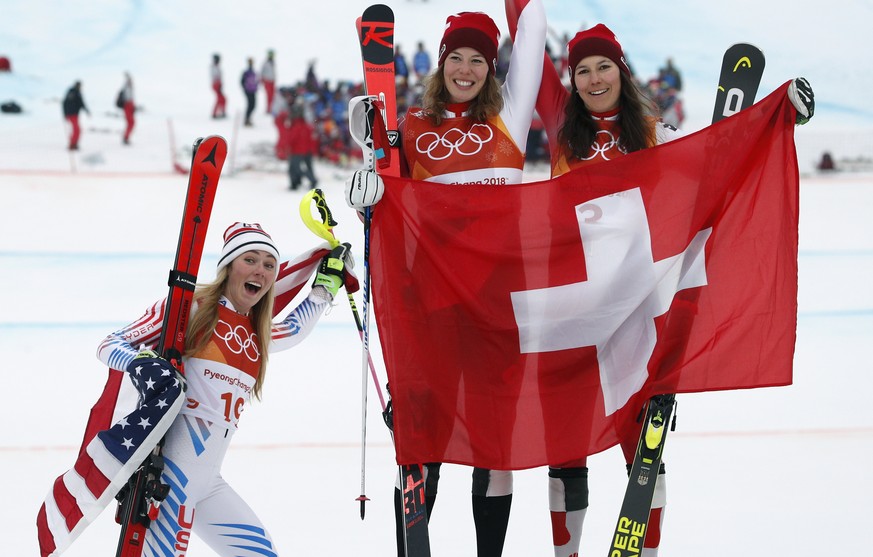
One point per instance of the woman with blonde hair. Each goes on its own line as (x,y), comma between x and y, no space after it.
(230,334)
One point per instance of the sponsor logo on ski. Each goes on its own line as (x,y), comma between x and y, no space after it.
(629,536)
(201,199)
(643,476)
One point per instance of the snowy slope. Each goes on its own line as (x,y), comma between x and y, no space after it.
(763,472)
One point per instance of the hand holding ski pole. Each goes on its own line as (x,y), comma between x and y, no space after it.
(324,229)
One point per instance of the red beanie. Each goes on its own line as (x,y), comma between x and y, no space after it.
(474,30)
(598,40)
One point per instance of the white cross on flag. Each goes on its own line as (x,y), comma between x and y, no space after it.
(615,309)
(525,325)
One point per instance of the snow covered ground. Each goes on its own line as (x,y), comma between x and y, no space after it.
(764,472)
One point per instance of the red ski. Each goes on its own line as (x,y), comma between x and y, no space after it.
(139,500)
(376,32)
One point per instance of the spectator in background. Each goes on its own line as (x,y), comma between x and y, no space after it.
(281,115)
(249,82)
(311,78)
(420,63)
(219,110)
(125,98)
(670,104)
(670,75)
(401,70)
(301,146)
(73,103)
(827,163)
(268,78)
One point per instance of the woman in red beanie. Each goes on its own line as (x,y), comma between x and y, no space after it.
(470,129)
(604,115)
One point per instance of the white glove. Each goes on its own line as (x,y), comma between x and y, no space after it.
(364,189)
(801,96)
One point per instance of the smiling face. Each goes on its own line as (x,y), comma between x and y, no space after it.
(598,83)
(464,73)
(250,276)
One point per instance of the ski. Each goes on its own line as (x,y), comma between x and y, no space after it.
(630,531)
(741,70)
(416,536)
(376,34)
(140,499)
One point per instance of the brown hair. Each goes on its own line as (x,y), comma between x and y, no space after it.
(637,118)
(205,319)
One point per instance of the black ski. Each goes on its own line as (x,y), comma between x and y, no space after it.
(741,70)
(633,520)
(139,500)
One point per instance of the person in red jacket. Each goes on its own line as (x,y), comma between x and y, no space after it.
(127,105)
(301,146)
(219,110)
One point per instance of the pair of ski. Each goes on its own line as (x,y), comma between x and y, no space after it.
(140,499)
(742,68)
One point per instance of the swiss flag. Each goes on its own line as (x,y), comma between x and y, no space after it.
(525,325)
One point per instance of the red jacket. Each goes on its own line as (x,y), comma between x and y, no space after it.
(301,137)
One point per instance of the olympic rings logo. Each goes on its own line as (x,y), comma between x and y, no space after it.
(602,145)
(238,340)
(467,143)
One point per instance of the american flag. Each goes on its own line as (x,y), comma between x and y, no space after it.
(123,428)
(108,456)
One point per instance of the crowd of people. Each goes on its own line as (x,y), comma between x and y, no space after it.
(323,107)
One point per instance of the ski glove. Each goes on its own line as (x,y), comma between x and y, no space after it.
(364,189)
(801,96)
(330,273)
(152,374)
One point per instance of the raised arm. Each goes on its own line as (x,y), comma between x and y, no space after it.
(522,84)
(552,94)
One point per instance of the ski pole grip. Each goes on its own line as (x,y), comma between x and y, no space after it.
(323,229)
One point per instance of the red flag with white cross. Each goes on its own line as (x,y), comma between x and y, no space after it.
(525,325)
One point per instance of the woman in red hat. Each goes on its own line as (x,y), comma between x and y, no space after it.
(471,129)
(604,115)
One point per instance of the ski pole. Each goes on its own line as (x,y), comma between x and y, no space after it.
(367,127)
(324,229)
